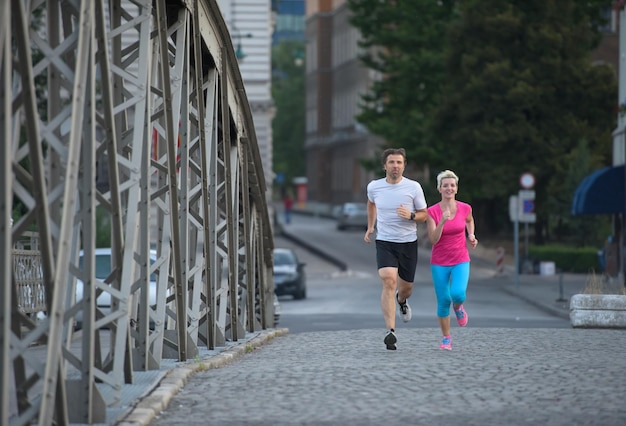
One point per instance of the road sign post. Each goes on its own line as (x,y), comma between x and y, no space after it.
(522,209)
(527,213)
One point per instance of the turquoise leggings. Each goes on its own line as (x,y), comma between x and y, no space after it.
(450,285)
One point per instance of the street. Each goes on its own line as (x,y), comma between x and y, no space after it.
(347,300)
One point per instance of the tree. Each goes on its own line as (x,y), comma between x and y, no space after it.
(581,231)
(404,42)
(288,92)
(520,94)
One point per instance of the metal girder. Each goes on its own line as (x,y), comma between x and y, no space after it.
(148,93)
(6,195)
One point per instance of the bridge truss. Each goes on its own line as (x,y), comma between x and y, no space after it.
(147,93)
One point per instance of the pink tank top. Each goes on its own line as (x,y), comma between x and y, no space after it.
(451,249)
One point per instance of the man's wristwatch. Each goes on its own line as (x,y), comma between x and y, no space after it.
(412,216)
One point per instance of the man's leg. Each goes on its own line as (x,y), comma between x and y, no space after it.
(389,278)
(406,271)
(405,290)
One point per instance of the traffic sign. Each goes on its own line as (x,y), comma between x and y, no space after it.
(527,206)
(513,210)
(522,207)
(527,180)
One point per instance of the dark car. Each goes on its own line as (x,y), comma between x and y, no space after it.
(352,215)
(289,276)
(276,310)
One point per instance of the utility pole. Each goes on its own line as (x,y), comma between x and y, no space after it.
(619,148)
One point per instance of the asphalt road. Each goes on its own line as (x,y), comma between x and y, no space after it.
(350,300)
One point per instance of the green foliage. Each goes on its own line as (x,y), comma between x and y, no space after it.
(520,95)
(580,230)
(492,89)
(103,227)
(403,41)
(568,259)
(288,92)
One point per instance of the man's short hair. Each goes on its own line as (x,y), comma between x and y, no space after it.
(393,151)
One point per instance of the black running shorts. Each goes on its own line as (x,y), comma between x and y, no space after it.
(398,255)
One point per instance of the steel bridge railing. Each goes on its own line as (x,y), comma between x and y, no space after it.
(148,93)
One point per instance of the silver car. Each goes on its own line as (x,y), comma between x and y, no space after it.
(103,269)
(352,215)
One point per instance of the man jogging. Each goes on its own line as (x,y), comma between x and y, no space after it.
(395,205)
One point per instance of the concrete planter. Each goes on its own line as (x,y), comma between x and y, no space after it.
(598,311)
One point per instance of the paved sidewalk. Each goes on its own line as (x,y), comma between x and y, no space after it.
(155,395)
(492,377)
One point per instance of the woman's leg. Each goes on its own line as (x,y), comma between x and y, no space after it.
(459,277)
(444,324)
(458,291)
(441,283)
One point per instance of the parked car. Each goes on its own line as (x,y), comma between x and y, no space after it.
(352,215)
(276,310)
(103,269)
(289,275)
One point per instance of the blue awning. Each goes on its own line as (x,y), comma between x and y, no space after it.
(602,192)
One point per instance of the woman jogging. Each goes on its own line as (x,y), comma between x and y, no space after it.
(447,223)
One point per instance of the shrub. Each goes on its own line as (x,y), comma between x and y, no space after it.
(567,259)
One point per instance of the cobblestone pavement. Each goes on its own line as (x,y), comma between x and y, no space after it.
(491,377)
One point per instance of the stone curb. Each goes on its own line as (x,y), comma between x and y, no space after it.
(598,311)
(147,408)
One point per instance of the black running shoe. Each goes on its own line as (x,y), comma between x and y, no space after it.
(390,340)
(405,309)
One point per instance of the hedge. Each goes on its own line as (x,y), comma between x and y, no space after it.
(567,259)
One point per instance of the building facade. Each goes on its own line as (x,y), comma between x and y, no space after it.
(251,25)
(335,143)
(289,20)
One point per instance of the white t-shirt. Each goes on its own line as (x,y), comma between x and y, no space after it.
(388,197)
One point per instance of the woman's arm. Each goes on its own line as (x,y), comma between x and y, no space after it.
(434,230)
(469,225)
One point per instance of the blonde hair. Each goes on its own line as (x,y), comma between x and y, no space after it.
(445,175)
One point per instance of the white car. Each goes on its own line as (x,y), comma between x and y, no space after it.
(103,269)
(352,215)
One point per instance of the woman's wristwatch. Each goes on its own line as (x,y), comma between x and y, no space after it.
(412,215)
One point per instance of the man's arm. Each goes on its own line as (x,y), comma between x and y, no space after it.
(371,220)
(421,215)
(371,214)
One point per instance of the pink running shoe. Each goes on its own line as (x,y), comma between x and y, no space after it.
(446,343)
(461,316)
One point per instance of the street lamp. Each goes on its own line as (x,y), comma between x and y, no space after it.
(298,57)
(239,50)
